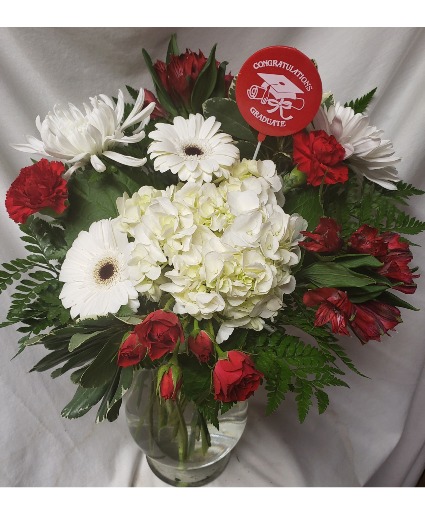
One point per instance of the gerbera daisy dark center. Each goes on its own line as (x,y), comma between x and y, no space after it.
(106,271)
(192,150)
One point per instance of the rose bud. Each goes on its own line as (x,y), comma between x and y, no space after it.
(201,345)
(37,188)
(160,332)
(169,381)
(131,351)
(235,378)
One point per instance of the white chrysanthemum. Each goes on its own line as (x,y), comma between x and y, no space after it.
(77,137)
(95,272)
(193,149)
(367,153)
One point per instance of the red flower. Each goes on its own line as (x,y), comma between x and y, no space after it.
(334,307)
(131,352)
(201,346)
(319,156)
(325,237)
(159,111)
(373,319)
(37,187)
(179,75)
(393,253)
(160,332)
(366,240)
(169,386)
(235,378)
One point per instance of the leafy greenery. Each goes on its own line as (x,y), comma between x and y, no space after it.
(205,83)
(360,104)
(305,202)
(291,365)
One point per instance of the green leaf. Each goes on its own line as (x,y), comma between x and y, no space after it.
(161,93)
(358,261)
(220,85)
(109,394)
(360,104)
(393,300)
(306,203)
(103,367)
(232,89)
(322,400)
(82,402)
(334,275)
(173,49)
(205,83)
(196,378)
(126,379)
(133,92)
(247,150)
(78,339)
(304,394)
(227,113)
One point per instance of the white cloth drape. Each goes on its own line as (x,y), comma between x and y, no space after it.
(373,433)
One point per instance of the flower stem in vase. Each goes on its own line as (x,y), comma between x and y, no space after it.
(182,434)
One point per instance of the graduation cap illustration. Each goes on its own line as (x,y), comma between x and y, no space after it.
(279,86)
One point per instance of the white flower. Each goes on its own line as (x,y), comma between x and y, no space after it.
(193,149)
(367,153)
(95,273)
(77,137)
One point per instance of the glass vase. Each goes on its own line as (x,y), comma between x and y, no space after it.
(181,448)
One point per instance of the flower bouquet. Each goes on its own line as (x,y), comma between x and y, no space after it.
(171,255)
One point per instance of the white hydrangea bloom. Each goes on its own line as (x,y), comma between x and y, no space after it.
(222,249)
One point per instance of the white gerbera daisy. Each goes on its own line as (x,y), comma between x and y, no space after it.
(367,153)
(193,149)
(95,273)
(76,138)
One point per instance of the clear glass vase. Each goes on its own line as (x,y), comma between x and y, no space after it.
(181,448)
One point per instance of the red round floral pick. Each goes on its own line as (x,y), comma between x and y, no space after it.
(278,91)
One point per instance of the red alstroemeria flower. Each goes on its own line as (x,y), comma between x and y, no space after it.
(334,307)
(373,319)
(366,240)
(159,111)
(179,75)
(37,187)
(325,237)
(319,156)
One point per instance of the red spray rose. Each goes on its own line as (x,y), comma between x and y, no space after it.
(37,187)
(201,345)
(131,352)
(320,157)
(366,240)
(170,383)
(159,111)
(334,307)
(325,237)
(373,319)
(235,378)
(160,332)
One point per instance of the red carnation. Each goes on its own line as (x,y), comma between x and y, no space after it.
(201,345)
(159,111)
(131,352)
(37,187)
(160,332)
(366,240)
(325,237)
(373,319)
(320,157)
(334,307)
(235,378)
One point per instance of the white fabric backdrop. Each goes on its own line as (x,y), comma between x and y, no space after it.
(372,434)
